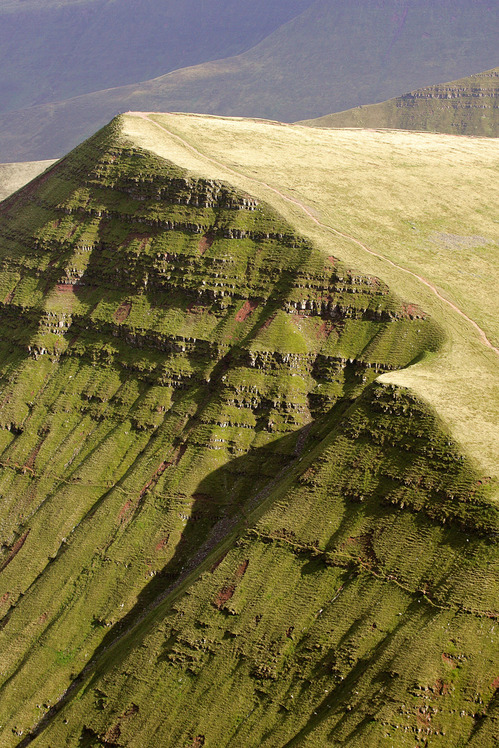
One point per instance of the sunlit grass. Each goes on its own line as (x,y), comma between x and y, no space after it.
(427,202)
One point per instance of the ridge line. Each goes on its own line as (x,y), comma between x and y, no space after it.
(308,212)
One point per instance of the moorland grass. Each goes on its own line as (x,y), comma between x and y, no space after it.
(426,202)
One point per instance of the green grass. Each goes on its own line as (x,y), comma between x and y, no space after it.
(467,106)
(215,523)
(401,194)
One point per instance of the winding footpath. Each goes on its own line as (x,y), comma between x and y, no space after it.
(308,212)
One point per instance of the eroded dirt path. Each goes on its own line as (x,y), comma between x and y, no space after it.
(336,232)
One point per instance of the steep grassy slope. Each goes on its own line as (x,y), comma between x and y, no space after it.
(217,528)
(54,50)
(417,210)
(469,106)
(332,57)
(358,608)
(15,176)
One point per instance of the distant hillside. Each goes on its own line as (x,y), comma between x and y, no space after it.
(469,106)
(58,49)
(333,57)
(15,176)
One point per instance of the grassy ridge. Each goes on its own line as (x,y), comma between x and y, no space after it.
(331,57)
(175,357)
(468,106)
(425,204)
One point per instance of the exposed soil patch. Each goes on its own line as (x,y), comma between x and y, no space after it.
(442,688)
(267,323)
(15,550)
(112,736)
(228,590)
(157,475)
(62,288)
(162,543)
(448,660)
(245,311)
(124,511)
(123,311)
(30,463)
(241,569)
(205,243)
(423,718)
(362,547)
(411,311)
(198,742)
(495,683)
(224,595)
(325,330)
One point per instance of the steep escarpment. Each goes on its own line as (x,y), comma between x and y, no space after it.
(468,106)
(195,460)
(357,606)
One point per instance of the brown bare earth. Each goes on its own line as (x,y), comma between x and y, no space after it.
(123,311)
(228,590)
(124,511)
(245,311)
(162,543)
(224,595)
(64,288)
(205,243)
(15,550)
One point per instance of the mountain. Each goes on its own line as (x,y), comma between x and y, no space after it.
(55,50)
(469,106)
(236,508)
(15,176)
(332,57)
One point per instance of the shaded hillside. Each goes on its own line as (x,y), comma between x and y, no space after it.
(469,106)
(332,57)
(54,50)
(217,529)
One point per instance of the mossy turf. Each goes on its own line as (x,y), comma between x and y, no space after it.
(217,528)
